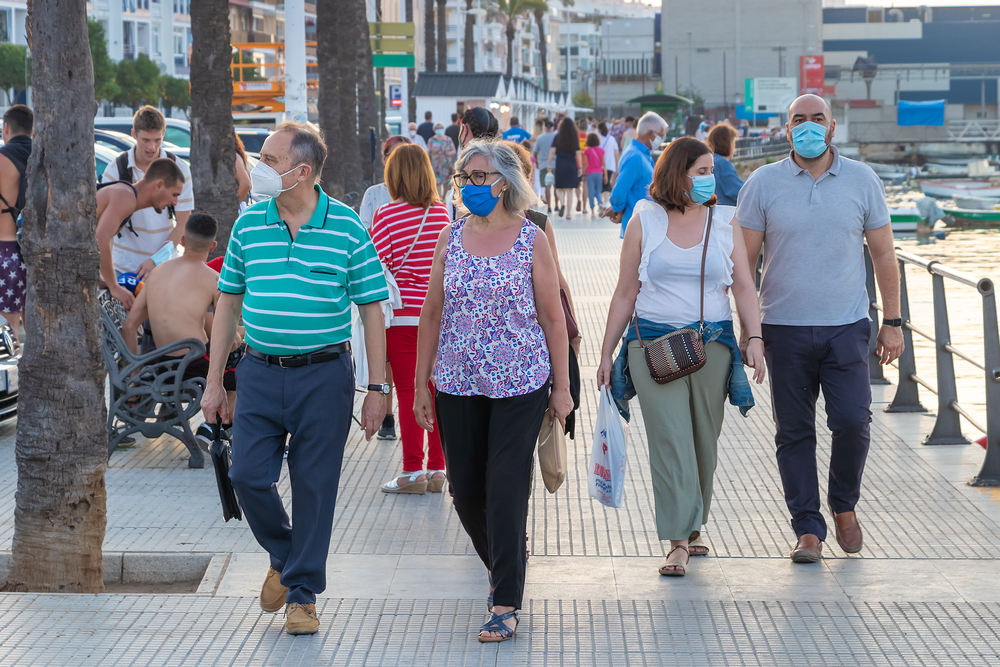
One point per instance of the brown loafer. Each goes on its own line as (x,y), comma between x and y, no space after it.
(848,531)
(808,549)
(301,619)
(272,593)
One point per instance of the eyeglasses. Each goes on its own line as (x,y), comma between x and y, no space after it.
(477,177)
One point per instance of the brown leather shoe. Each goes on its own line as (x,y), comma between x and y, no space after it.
(848,531)
(272,593)
(808,549)
(301,619)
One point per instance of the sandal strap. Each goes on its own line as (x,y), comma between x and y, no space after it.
(678,547)
(496,624)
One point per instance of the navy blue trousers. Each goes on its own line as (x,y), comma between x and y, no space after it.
(313,404)
(801,361)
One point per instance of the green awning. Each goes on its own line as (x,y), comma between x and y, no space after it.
(660,102)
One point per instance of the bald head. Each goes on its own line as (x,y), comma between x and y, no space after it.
(811,107)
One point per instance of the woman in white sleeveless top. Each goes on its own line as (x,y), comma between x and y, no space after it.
(660,281)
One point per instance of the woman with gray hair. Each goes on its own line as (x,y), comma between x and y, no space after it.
(493,333)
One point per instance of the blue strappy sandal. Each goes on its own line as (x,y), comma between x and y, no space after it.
(496,624)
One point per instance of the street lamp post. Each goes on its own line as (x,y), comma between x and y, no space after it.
(690,65)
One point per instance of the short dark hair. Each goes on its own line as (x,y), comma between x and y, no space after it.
(629,119)
(593,140)
(669,188)
(19,119)
(428,115)
(454,118)
(166,170)
(481,122)
(202,227)
(514,121)
(549,123)
(602,127)
(148,119)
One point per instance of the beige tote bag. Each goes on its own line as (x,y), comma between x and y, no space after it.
(552,453)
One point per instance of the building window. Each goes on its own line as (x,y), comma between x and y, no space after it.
(4,25)
(156,40)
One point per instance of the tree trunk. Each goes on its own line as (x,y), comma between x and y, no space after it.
(213,142)
(429,44)
(411,77)
(328,55)
(442,36)
(347,85)
(60,510)
(367,105)
(510,46)
(380,132)
(469,47)
(543,48)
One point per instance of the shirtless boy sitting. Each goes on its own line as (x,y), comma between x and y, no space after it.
(118,200)
(177,296)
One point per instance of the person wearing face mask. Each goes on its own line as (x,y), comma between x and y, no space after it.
(477,123)
(442,154)
(681,256)
(293,266)
(813,213)
(635,171)
(493,333)
(414,136)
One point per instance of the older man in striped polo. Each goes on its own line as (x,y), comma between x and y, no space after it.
(294,265)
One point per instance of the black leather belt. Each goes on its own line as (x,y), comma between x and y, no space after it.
(328,353)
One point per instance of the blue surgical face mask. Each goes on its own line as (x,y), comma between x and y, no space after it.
(479,199)
(439,131)
(703,187)
(809,139)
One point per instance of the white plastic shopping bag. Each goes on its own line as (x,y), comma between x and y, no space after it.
(358,348)
(606,476)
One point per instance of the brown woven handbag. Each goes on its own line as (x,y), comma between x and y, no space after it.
(680,352)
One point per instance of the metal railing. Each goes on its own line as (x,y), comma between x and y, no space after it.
(973,130)
(759,147)
(947,425)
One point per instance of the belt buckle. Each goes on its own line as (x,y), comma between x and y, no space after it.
(281,362)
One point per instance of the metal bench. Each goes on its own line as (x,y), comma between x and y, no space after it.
(148,393)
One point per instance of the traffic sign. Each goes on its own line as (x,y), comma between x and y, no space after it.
(392,29)
(395,96)
(393,60)
(392,45)
(770,94)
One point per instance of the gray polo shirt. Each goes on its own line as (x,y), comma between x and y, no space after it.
(814,267)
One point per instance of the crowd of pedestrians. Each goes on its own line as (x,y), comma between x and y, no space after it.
(480,348)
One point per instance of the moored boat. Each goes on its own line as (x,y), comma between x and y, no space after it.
(976,203)
(904,219)
(969,187)
(974,217)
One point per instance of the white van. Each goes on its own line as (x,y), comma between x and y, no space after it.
(178,130)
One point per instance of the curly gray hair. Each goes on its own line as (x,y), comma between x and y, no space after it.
(504,159)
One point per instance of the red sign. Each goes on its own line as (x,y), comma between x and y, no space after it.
(811,75)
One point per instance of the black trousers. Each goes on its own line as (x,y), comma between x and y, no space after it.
(488,446)
(802,360)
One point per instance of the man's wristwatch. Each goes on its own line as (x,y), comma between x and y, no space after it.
(898,322)
(383,388)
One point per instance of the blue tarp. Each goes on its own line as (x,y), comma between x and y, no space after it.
(743,114)
(920,113)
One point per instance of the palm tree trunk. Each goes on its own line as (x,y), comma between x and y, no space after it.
(367,106)
(213,141)
(469,48)
(542,48)
(329,27)
(510,46)
(429,50)
(442,36)
(411,76)
(60,510)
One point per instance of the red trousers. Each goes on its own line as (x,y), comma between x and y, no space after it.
(401,349)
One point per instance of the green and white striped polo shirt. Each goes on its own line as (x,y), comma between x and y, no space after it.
(297,293)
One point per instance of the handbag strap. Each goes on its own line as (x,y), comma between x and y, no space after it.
(417,238)
(704,256)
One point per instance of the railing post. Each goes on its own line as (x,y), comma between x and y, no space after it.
(948,425)
(907,398)
(874,367)
(989,475)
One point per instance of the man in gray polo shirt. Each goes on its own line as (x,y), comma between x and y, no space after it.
(812,212)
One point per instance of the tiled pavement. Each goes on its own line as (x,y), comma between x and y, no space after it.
(405,587)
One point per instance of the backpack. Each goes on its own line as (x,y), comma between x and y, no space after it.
(22,189)
(127,220)
(125,174)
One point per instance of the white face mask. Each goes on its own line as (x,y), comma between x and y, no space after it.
(264,180)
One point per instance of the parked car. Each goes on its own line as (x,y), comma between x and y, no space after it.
(118,141)
(253,138)
(178,131)
(103,156)
(10,355)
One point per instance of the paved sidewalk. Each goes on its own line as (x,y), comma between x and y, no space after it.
(405,587)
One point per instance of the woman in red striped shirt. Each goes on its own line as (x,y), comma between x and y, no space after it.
(405,232)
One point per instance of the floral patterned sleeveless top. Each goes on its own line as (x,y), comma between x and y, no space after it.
(491,343)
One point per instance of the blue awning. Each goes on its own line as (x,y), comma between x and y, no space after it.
(920,113)
(743,114)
